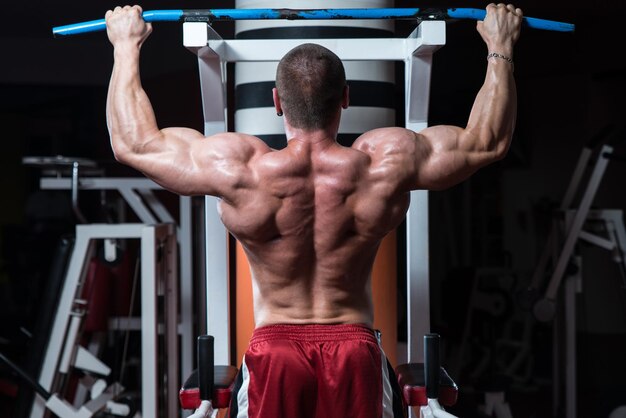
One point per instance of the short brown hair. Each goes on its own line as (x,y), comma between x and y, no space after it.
(310,80)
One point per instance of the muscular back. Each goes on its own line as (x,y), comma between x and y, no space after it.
(310,218)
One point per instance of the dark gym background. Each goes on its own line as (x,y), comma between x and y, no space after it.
(570,86)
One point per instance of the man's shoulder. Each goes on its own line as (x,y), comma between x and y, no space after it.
(241,138)
(243,145)
(372,141)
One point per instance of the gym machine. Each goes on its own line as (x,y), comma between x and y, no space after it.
(571,225)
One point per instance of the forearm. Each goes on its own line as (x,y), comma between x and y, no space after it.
(130,117)
(492,119)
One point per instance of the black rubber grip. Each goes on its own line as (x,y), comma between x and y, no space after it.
(431,365)
(206,366)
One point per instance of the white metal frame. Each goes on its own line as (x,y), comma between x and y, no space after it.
(564,334)
(158,251)
(416,51)
(613,220)
(138,193)
(574,229)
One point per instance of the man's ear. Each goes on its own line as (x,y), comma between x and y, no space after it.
(277,106)
(345,101)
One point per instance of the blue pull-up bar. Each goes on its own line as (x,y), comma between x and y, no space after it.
(213,15)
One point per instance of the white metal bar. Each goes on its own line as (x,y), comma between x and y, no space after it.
(157,207)
(98,183)
(429,36)
(417,259)
(579,219)
(212,68)
(607,244)
(185,239)
(149,341)
(149,320)
(218,315)
(366,49)
(166,234)
(69,348)
(135,202)
(617,220)
(82,247)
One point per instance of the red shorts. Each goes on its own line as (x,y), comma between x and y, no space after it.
(303,371)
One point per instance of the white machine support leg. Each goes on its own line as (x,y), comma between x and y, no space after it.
(149,326)
(170,277)
(417,89)
(185,239)
(217,283)
(158,253)
(417,258)
(213,87)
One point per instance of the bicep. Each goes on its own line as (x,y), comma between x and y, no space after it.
(443,158)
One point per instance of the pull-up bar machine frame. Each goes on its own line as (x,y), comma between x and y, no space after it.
(416,51)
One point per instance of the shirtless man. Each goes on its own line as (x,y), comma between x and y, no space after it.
(311,216)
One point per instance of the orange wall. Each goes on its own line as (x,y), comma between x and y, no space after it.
(384,292)
(244,322)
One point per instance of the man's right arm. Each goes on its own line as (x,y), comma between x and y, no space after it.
(179,159)
(441,156)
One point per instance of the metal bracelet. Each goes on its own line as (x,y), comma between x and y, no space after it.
(504,57)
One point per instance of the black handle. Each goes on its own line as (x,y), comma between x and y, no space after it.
(431,365)
(206,366)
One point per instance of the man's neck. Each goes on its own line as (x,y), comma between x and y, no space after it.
(311,137)
(325,135)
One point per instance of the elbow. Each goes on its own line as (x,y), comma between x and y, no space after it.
(501,148)
(493,147)
(121,151)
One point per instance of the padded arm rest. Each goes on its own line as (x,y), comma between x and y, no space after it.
(413,384)
(224,379)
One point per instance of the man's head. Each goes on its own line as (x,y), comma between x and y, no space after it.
(310,82)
